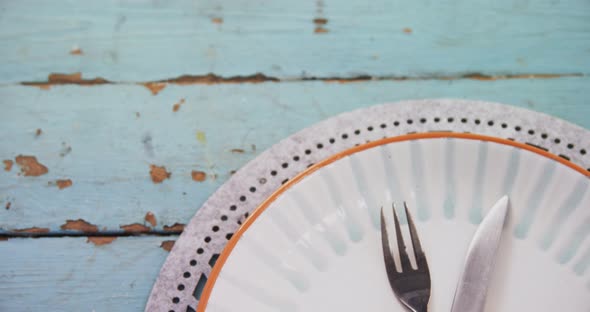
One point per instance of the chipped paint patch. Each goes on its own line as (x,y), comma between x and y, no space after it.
(38,132)
(159,173)
(320,24)
(320,30)
(7,206)
(29,166)
(76,51)
(237,151)
(217,20)
(135,228)
(32,230)
(79,225)
(66,79)
(176,227)
(198,176)
(167,245)
(101,240)
(7,164)
(150,218)
(176,106)
(155,87)
(320,21)
(216,79)
(62,184)
(408,30)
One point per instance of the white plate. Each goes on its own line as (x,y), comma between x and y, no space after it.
(315,244)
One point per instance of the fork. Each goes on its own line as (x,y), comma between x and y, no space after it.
(411,286)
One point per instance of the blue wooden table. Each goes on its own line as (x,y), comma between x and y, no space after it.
(119,118)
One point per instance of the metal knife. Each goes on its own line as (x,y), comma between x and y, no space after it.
(473,284)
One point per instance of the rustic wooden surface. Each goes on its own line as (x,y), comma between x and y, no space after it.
(136,111)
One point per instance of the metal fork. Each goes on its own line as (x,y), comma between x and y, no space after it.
(411,286)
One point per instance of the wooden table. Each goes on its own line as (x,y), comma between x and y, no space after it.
(136,111)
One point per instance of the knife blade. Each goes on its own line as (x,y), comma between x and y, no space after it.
(474,281)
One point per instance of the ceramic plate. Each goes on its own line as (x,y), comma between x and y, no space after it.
(315,244)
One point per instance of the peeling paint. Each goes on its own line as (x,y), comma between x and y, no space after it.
(29,166)
(159,173)
(135,228)
(320,21)
(66,79)
(62,184)
(237,151)
(101,240)
(176,106)
(76,51)
(198,176)
(32,230)
(7,164)
(154,87)
(150,218)
(215,79)
(79,225)
(75,78)
(176,227)
(167,245)
(320,30)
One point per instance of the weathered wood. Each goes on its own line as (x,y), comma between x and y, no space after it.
(143,41)
(106,138)
(71,274)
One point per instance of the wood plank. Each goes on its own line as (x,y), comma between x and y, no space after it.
(69,274)
(153,40)
(95,137)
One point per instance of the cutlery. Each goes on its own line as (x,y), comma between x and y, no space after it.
(473,284)
(411,286)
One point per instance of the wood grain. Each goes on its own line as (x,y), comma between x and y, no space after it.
(71,274)
(106,138)
(134,41)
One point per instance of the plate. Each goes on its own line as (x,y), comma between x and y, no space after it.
(314,245)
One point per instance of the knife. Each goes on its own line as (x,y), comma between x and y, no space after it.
(473,284)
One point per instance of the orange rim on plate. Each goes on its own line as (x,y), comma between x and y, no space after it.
(431,135)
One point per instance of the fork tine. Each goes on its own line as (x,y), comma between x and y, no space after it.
(387,255)
(401,246)
(418,252)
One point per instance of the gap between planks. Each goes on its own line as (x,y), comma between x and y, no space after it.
(8,235)
(77,79)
